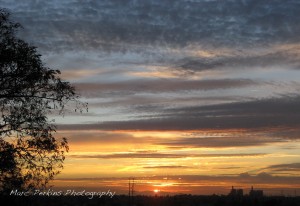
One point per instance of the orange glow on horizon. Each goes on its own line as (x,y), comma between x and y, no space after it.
(146,155)
(156,191)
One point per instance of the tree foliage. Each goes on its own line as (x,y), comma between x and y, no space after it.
(30,155)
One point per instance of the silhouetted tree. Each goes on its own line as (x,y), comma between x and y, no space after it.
(30,155)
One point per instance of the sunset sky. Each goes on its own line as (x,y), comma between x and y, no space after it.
(189,96)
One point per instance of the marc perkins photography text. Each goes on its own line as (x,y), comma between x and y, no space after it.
(53,193)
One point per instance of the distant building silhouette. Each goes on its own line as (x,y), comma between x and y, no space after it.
(236,192)
(256,193)
(239,193)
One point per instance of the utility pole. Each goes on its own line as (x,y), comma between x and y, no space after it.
(130,190)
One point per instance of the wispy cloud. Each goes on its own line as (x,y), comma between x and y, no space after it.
(222,142)
(167,167)
(162,155)
(284,57)
(285,167)
(160,86)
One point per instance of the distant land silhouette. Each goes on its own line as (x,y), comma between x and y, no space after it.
(234,198)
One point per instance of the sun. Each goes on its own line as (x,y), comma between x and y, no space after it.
(156,191)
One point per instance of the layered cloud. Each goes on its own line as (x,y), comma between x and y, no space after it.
(266,113)
(129,24)
(186,35)
(192,81)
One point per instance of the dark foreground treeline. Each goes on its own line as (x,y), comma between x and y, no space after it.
(177,200)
